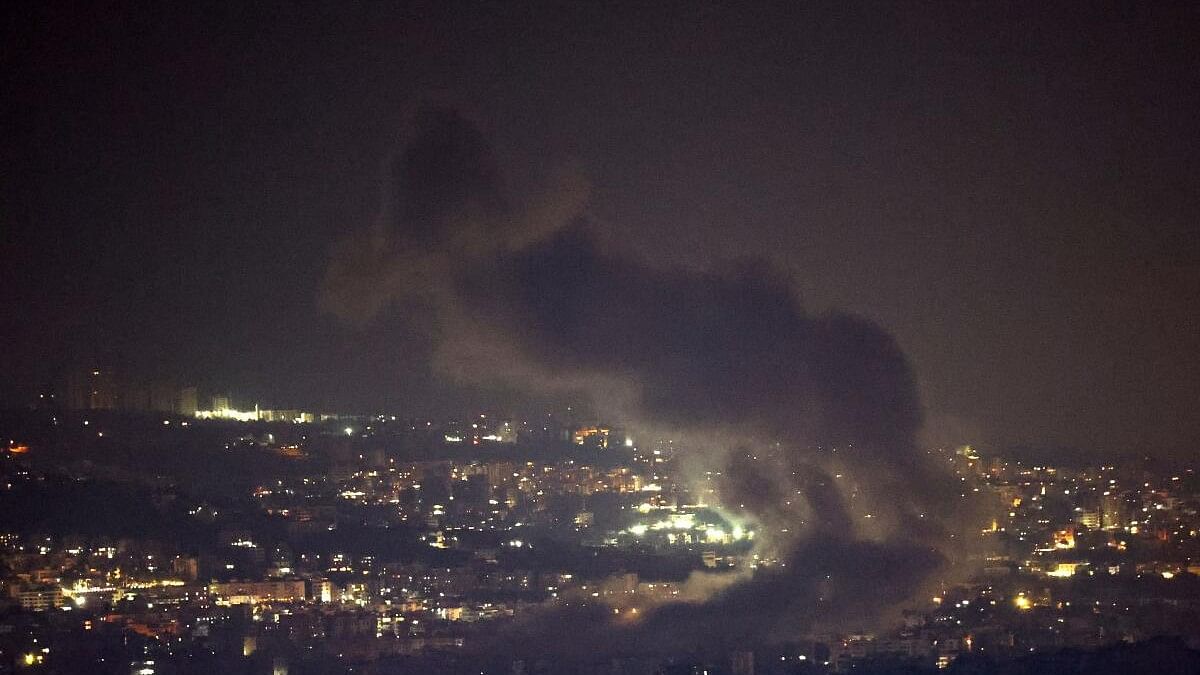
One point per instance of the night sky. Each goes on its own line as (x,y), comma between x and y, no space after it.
(1011,190)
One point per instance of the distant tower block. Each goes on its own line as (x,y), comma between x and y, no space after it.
(742,663)
(93,389)
(188,402)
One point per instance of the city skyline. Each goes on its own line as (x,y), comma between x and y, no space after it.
(479,546)
(666,338)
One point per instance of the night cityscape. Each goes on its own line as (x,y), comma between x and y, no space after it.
(581,338)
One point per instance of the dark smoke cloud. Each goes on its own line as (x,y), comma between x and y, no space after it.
(821,409)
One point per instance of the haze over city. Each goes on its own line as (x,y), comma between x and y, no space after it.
(565,338)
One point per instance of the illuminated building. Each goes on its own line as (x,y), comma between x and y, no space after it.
(1089,518)
(1065,538)
(221,410)
(1063,569)
(293,416)
(251,592)
(41,598)
(1112,511)
(322,590)
(595,436)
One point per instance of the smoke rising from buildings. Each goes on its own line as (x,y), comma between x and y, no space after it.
(811,419)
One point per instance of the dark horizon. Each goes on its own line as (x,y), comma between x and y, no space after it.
(1009,190)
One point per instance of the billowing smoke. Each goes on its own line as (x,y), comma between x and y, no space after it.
(810,419)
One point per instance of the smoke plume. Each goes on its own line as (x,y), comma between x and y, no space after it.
(811,419)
